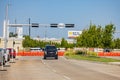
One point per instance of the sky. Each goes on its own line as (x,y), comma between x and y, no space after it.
(78,12)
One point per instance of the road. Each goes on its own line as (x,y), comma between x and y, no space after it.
(36,68)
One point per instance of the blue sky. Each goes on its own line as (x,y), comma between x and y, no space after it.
(78,12)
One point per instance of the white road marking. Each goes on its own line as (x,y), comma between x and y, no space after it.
(42,61)
(64,58)
(67,78)
(54,70)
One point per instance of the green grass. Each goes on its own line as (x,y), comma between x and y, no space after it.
(92,58)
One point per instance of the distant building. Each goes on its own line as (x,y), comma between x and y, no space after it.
(18,43)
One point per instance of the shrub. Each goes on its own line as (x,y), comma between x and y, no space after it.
(80,52)
(90,53)
(69,52)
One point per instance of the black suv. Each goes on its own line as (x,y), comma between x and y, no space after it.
(50,51)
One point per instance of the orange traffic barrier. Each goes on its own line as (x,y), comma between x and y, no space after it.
(27,53)
(41,53)
(118,54)
(22,53)
(109,54)
(100,54)
(61,53)
(19,53)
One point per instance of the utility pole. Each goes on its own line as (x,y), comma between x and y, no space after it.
(15,27)
(29,28)
(45,33)
(6,27)
(5,35)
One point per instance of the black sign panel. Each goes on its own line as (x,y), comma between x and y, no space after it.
(35,25)
(69,25)
(54,25)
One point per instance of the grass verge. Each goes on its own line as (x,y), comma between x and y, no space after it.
(92,58)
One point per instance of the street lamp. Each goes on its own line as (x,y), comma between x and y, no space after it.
(29,27)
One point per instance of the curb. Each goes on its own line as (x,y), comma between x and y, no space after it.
(115,63)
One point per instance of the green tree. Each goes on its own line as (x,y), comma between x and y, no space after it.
(64,43)
(107,37)
(11,34)
(117,43)
(96,36)
(26,42)
(99,33)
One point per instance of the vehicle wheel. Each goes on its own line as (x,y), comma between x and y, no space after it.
(0,64)
(8,58)
(4,61)
(14,56)
(56,57)
(44,57)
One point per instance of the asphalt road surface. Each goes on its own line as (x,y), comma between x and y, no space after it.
(36,68)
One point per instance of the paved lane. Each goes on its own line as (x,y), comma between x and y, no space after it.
(29,68)
(36,68)
(82,70)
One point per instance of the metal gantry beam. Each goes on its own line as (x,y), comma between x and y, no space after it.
(18,25)
(21,25)
(42,25)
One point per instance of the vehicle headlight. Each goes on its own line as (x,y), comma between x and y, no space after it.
(56,52)
(45,52)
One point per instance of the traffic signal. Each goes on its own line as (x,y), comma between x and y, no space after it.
(35,25)
(69,25)
(54,25)
(62,25)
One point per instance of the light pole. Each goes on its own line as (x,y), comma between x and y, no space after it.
(45,33)
(6,27)
(5,34)
(29,28)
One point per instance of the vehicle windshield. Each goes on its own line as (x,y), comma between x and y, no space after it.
(51,48)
